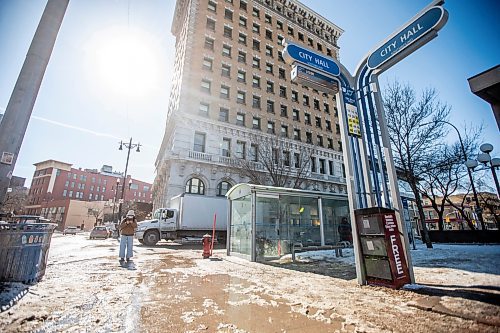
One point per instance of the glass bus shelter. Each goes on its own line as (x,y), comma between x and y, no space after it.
(265,222)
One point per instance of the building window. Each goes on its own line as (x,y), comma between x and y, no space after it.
(228,32)
(223,188)
(66,184)
(228,14)
(328,52)
(270,87)
(209,43)
(256,45)
(313,164)
(224,92)
(295,96)
(199,142)
(205,85)
(253,152)
(282,91)
(242,39)
(268,19)
(65,192)
(337,128)
(90,196)
(290,31)
(226,147)
(256,102)
(330,167)
(307,119)
(309,137)
(212,6)
(301,36)
(320,47)
(316,104)
(270,106)
(340,145)
(240,97)
(240,150)
(269,34)
(330,143)
(243,5)
(318,122)
(256,82)
(243,21)
(296,134)
(270,127)
(242,57)
(240,119)
(203,110)
(306,100)
(328,125)
(322,166)
(282,74)
(241,76)
(256,12)
(256,28)
(226,70)
(326,108)
(283,111)
(72,184)
(280,56)
(210,24)
(70,194)
(224,115)
(256,62)
(195,186)
(269,68)
(226,50)
(310,41)
(256,123)
(286,158)
(295,115)
(269,51)
(207,63)
(279,25)
(284,131)
(320,140)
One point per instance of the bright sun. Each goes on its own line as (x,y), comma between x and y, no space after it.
(126,62)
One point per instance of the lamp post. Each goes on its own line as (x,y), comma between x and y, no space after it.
(485,159)
(478,207)
(114,199)
(129,146)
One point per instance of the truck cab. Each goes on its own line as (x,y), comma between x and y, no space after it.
(163,225)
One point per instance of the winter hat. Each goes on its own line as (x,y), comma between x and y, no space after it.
(131,213)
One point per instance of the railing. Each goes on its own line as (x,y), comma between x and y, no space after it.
(200,156)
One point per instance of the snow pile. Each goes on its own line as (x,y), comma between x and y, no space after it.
(323,255)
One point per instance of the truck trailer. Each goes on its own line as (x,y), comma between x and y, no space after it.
(189,215)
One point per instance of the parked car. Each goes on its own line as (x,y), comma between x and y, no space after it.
(99,232)
(70,231)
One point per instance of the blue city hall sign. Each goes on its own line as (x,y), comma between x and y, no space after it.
(432,20)
(294,53)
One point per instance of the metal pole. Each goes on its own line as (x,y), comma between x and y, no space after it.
(17,115)
(124,178)
(495,178)
(478,206)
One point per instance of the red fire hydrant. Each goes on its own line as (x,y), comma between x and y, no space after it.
(207,241)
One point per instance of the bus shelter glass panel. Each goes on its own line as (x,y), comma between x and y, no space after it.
(336,223)
(241,225)
(284,220)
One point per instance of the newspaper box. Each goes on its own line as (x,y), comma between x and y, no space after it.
(383,255)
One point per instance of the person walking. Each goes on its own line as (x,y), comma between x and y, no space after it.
(127,229)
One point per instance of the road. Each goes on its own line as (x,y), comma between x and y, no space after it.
(172,289)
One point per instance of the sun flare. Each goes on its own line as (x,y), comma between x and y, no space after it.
(126,62)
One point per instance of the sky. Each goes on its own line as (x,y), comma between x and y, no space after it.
(98,90)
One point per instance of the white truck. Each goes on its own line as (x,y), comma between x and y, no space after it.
(190,215)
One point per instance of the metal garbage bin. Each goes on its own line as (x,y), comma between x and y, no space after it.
(24,249)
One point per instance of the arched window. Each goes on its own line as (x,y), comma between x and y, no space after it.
(195,186)
(222,188)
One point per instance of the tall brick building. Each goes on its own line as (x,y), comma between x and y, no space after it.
(232,90)
(55,183)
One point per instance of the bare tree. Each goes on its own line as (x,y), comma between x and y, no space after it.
(15,201)
(490,203)
(96,211)
(277,162)
(415,129)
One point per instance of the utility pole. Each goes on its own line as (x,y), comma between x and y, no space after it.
(17,115)
(129,146)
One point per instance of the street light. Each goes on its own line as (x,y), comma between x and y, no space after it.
(485,159)
(114,199)
(478,207)
(129,146)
